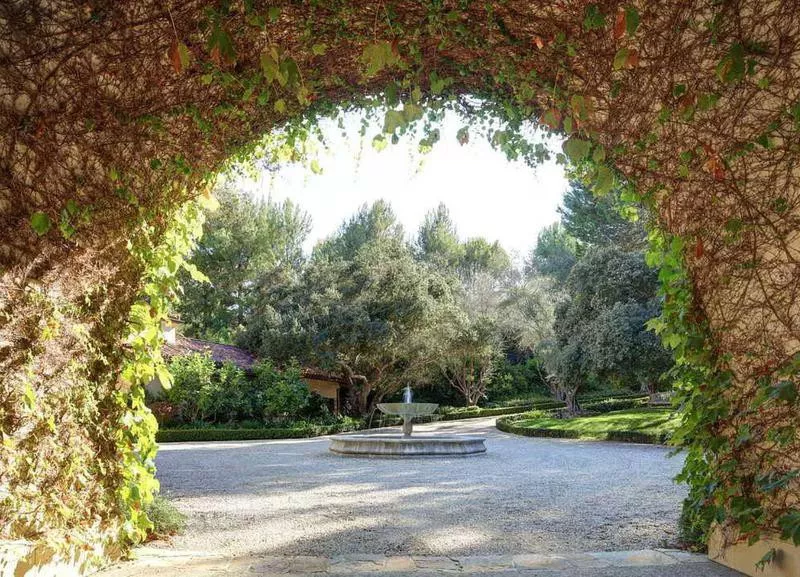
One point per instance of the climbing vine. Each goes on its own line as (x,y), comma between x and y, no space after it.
(115,114)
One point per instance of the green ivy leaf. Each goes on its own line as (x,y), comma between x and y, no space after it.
(732,67)
(593,18)
(379,142)
(220,46)
(393,120)
(790,526)
(604,181)
(576,149)
(378,56)
(164,376)
(437,84)
(29,396)
(194,272)
(631,20)
(319,49)
(40,223)
(620,59)
(271,68)
(768,558)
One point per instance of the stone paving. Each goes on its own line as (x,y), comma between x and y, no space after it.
(642,563)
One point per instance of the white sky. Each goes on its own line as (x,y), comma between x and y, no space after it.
(487,195)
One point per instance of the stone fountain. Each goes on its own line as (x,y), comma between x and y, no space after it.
(406,445)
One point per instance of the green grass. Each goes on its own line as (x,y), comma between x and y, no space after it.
(641,425)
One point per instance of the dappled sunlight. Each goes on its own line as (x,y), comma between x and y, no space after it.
(523,495)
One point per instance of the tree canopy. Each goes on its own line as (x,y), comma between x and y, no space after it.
(601,328)
(242,241)
(363,307)
(115,115)
(599,221)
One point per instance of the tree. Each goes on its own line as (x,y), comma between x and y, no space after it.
(242,241)
(600,330)
(481,256)
(554,254)
(371,223)
(363,307)
(468,337)
(437,240)
(599,221)
(469,360)
(624,349)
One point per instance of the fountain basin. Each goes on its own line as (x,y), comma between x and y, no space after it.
(369,445)
(408,409)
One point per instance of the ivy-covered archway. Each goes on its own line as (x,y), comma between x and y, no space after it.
(114,115)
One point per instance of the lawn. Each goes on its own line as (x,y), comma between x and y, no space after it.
(645,425)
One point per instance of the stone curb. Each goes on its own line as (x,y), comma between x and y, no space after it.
(187,563)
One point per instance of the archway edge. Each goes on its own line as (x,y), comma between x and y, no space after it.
(112,115)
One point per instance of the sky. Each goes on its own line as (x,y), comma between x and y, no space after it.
(487,195)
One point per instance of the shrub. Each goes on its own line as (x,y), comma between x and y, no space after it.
(284,394)
(166,518)
(293,430)
(192,377)
(517,380)
(614,404)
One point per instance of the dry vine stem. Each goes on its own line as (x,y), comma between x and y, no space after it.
(114,113)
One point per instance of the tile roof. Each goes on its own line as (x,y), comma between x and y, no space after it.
(219,353)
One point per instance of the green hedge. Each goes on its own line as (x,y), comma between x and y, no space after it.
(597,403)
(615,404)
(455,413)
(210,434)
(508,425)
(591,397)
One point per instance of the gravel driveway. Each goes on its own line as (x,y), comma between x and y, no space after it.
(293,497)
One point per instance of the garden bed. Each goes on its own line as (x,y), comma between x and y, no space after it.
(640,425)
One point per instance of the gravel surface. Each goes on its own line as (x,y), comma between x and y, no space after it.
(525,495)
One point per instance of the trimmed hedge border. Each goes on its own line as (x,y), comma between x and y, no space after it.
(598,403)
(464,413)
(507,426)
(188,435)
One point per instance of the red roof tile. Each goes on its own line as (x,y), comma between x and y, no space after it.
(219,353)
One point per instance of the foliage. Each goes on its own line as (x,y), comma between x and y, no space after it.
(601,221)
(517,380)
(167,519)
(296,430)
(205,392)
(483,257)
(469,359)
(600,332)
(370,225)
(648,90)
(437,240)
(554,254)
(284,393)
(734,482)
(242,241)
(363,307)
(634,425)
